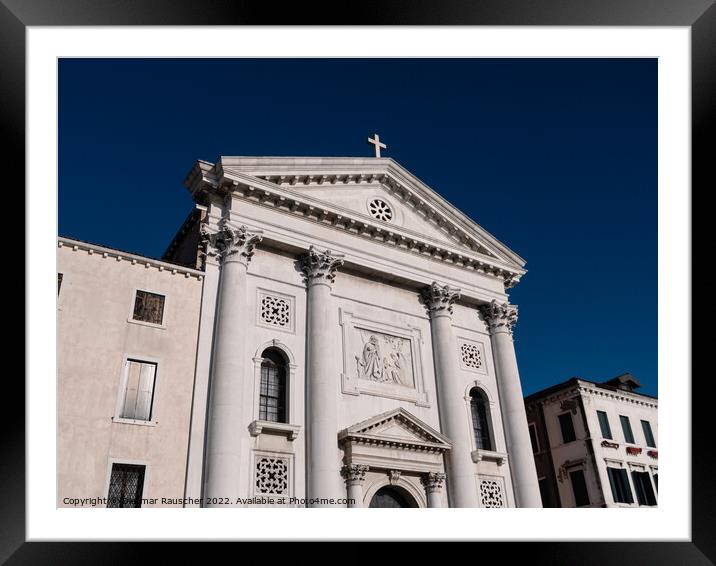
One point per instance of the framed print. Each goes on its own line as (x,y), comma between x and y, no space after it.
(316,318)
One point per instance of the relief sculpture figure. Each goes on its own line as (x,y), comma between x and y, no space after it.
(384,361)
(370,366)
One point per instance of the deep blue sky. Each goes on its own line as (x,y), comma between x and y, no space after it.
(555,157)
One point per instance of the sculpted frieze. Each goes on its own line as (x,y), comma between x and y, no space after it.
(382,358)
(385,359)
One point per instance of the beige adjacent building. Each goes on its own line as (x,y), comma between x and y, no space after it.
(321,332)
(107,347)
(595,444)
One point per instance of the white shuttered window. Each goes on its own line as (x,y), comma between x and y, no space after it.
(139,390)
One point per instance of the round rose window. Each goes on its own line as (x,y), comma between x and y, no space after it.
(380,210)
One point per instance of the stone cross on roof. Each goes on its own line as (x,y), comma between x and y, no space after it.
(376,142)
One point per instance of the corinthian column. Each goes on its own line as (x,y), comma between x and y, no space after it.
(233,247)
(433,483)
(354,475)
(461,482)
(501,318)
(323,465)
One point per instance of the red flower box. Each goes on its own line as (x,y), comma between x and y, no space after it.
(653,453)
(633,450)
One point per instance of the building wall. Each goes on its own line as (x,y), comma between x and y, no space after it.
(549,489)
(359,298)
(384,305)
(636,407)
(96,335)
(376,295)
(587,452)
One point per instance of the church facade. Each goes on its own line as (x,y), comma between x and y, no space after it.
(321,332)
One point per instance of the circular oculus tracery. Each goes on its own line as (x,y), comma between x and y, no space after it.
(380,210)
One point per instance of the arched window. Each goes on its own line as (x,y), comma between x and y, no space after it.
(272,395)
(480,420)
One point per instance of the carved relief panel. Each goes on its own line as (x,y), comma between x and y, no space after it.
(382,359)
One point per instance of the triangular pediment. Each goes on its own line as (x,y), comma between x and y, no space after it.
(398,428)
(348,186)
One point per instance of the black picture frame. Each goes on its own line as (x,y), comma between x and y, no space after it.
(699,15)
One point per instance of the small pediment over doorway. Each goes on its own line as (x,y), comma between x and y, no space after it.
(394,451)
(396,429)
(395,440)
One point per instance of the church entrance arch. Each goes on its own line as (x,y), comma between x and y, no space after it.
(390,497)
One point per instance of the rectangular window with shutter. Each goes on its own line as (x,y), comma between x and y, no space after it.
(138,392)
(626,429)
(619,482)
(644,491)
(604,425)
(648,434)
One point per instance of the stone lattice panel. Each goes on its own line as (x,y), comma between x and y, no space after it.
(491,494)
(471,355)
(272,475)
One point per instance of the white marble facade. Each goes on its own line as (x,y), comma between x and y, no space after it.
(388,308)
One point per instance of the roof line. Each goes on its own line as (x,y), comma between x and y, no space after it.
(122,254)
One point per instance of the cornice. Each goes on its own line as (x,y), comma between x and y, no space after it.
(404,444)
(134,259)
(585,388)
(281,198)
(636,400)
(342,170)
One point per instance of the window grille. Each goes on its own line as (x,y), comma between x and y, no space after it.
(272,395)
(125,486)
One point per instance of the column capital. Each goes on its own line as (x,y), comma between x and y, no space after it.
(500,317)
(433,481)
(439,298)
(354,473)
(320,266)
(229,243)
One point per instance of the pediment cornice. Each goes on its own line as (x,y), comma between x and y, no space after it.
(421,436)
(276,183)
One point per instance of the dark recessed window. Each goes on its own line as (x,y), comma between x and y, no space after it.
(579,488)
(642,486)
(648,434)
(480,421)
(626,429)
(533,438)
(604,425)
(544,492)
(567,426)
(59,282)
(272,395)
(619,482)
(125,486)
(149,307)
